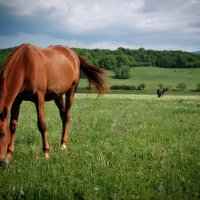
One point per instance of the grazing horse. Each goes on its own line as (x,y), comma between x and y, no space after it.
(161,91)
(39,75)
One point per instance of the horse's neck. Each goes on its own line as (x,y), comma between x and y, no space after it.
(11,87)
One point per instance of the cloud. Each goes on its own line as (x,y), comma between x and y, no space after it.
(84,16)
(130,23)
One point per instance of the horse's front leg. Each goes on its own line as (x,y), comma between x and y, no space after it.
(41,122)
(13,127)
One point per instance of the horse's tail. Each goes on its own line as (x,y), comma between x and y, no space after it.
(95,76)
(165,89)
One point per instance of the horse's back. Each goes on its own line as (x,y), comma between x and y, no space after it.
(51,70)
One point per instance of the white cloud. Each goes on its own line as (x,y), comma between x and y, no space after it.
(80,16)
(30,7)
(107,23)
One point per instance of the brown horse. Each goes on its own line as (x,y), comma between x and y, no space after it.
(38,75)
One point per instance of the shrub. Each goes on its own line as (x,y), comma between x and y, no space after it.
(123,87)
(141,86)
(161,85)
(198,86)
(181,86)
(122,72)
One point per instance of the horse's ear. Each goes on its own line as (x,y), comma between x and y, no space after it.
(4,113)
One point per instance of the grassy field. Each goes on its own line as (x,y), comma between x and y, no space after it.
(152,76)
(120,147)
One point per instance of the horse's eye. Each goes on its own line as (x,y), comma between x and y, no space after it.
(2,134)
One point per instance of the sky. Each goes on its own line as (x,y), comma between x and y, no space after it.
(105,24)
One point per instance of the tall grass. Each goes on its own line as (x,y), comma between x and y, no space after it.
(119,148)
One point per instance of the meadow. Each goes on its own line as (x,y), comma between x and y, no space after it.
(153,76)
(120,147)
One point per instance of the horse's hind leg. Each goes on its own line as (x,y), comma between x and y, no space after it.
(61,106)
(13,127)
(68,103)
(41,122)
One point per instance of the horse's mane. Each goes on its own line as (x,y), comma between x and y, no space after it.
(8,65)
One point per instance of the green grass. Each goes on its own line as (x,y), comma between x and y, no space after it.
(120,147)
(152,76)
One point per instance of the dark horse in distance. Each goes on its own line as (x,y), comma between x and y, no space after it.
(161,91)
(39,75)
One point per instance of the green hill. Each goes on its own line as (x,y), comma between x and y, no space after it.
(153,76)
(196,52)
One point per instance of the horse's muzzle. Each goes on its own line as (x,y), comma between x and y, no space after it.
(3,162)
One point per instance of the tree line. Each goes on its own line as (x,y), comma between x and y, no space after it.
(124,58)
(110,59)
(4,53)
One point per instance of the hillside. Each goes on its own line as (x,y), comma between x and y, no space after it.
(196,52)
(152,77)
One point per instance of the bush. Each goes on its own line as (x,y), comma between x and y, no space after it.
(198,86)
(141,86)
(122,72)
(161,85)
(181,86)
(128,87)
(123,87)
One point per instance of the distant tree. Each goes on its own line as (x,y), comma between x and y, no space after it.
(133,62)
(166,61)
(161,85)
(181,86)
(181,61)
(122,72)
(141,49)
(122,60)
(4,54)
(198,86)
(141,86)
(109,59)
(108,62)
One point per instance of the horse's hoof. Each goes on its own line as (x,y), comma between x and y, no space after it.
(46,155)
(63,146)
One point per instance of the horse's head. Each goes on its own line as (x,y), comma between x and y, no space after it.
(4,135)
